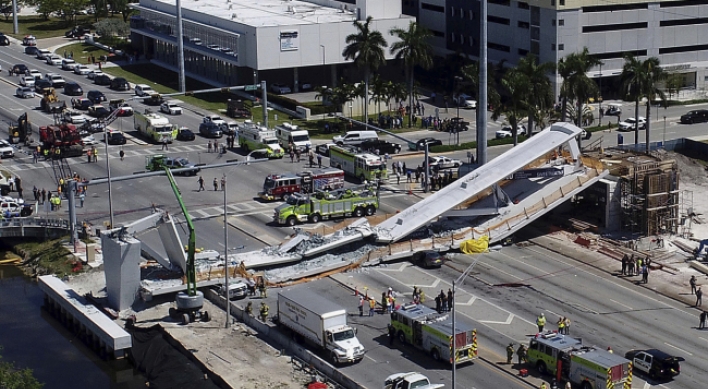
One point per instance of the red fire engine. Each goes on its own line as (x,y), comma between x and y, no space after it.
(279,186)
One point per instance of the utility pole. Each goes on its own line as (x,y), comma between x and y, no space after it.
(264,90)
(452,309)
(180,48)
(482,104)
(226,258)
(15,26)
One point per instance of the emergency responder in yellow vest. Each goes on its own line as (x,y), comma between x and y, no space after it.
(509,353)
(566,328)
(541,322)
(264,312)
(543,386)
(561,325)
(249,308)
(521,354)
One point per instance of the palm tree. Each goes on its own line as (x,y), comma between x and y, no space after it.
(576,84)
(639,80)
(414,49)
(517,85)
(540,92)
(366,48)
(378,92)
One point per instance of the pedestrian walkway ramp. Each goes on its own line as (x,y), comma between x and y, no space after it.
(530,197)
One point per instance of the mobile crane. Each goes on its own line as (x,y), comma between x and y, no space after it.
(190,302)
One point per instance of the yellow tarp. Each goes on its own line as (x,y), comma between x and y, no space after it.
(475,246)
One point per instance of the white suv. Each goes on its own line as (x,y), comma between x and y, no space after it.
(216,119)
(628,124)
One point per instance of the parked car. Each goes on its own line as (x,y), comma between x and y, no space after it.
(382,146)
(216,119)
(20,68)
(6,149)
(420,144)
(628,124)
(43,54)
(81,70)
(210,130)
(24,92)
(96,96)
(466,101)
(81,103)
(428,258)
(115,138)
(120,83)
(124,109)
(185,134)
(181,163)
(53,59)
(73,89)
(613,109)
(230,128)
(655,363)
(93,73)
(102,79)
(4,40)
(323,149)
(31,50)
(74,117)
(171,107)
(29,40)
(456,124)
(695,116)
(77,32)
(143,90)
(34,73)
(442,162)
(506,132)
(41,84)
(56,79)
(280,89)
(68,64)
(98,111)
(89,140)
(305,86)
(27,81)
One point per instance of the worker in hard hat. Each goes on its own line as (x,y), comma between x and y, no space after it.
(509,353)
(541,322)
(249,308)
(264,312)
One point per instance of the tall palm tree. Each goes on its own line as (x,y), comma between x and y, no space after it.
(517,85)
(540,92)
(639,80)
(378,92)
(366,48)
(415,50)
(582,86)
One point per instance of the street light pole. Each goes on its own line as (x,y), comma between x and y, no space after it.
(452,309)
(600,114)
(226,258)
(426,184)
(108,170)
(664,131)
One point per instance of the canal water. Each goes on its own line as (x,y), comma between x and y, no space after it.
(33,339)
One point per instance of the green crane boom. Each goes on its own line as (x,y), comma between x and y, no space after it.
(192,245)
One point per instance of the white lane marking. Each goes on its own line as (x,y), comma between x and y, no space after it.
(678,348)
(502,271)
(703,338)
(507,321)
(370,358)
(619,303)
(646,385)
(548,254)
(201,212)
(399,269)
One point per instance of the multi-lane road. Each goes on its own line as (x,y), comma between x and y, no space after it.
(604,311)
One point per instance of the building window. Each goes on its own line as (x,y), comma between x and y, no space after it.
(553,47)
(471,40)
(615,27)
(452,11)
(682,49)
(471,15)
(462,39)
(432,7)
(621,54)
(452,37)
(524,25)
(619,7)
(498,47)
(683,22)
(535,48)
(562,2)
(553,3)
(522,52)
(498,20)
(553,22)
(523,5)
(561,22)
(561,47)
(438,34)
(500,2)
(683,3)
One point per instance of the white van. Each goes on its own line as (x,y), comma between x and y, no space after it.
(288,133)
(355,137)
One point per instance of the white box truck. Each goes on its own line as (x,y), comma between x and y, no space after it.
(290,134)
(321,322)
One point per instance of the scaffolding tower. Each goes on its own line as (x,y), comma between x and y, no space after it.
(650,196)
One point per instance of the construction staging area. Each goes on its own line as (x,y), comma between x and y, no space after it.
(547,176)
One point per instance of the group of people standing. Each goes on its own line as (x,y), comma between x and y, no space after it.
(443,302)
(636,266)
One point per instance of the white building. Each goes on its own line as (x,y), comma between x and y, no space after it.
(674,31)
(237,42)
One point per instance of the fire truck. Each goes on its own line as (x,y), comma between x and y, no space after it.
(63,138)
(280,186)
(567,359)
(430,331)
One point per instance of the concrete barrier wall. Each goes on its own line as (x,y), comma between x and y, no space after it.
(270,333)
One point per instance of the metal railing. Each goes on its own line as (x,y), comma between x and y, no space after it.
(35,222)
